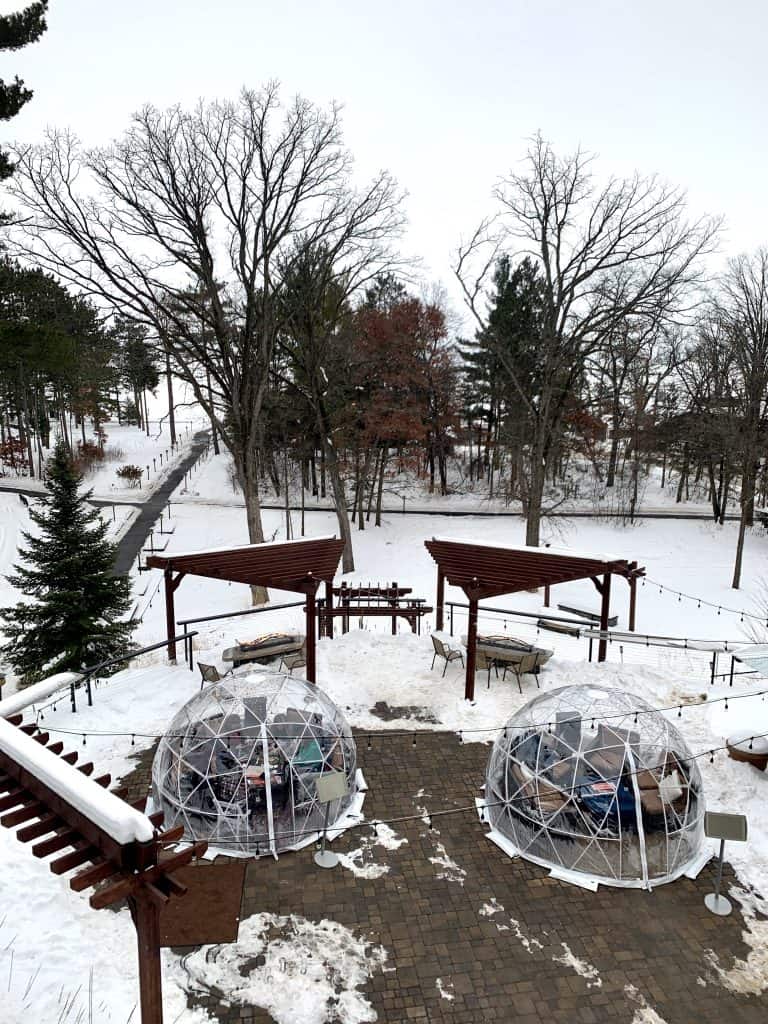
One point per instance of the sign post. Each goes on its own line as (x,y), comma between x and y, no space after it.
(722,827)
(331,786)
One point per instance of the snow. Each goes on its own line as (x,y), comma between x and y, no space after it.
(545,549)
(244,547)
(645,1014)
(37,692)
(581,967)
(299,971)
(114,816)
(747,977)
(445,988)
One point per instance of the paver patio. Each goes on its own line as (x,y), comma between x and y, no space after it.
(432,927)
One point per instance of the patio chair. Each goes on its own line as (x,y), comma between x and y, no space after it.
(296,660)
(444,650)
(209,673)
(483,663)
(529,663)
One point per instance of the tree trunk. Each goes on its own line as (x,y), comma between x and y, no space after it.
(169,381)
(380,491)
(214,432)
(247,473)
(331,463)
(740,548)
(535,498)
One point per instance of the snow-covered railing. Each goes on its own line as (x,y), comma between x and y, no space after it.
(30,695)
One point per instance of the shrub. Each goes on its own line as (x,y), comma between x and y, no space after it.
(131,474)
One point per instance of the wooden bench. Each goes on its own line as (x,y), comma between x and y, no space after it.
(584,613)
(559,627)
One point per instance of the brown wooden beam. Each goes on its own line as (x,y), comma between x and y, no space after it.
(605,614)
(146,917)
(440,600)
(310,638)
(469,685)
(632,602)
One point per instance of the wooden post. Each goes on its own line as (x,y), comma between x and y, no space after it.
(311,661)
(440,602)
(146,917)
(329,607)
(170,625)
(393,605)
(632,602)
(605,614)
(345,606)
(546,595)
(469,688)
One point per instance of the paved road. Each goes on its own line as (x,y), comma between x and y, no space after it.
(135,537)
(469,513)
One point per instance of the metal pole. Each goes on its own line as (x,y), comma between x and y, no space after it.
(713,901)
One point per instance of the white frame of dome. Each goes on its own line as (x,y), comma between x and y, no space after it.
(239,764)
(580,783)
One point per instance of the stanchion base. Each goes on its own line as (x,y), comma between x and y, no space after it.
(719,905)
(326,859)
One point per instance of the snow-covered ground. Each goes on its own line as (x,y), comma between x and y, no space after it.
(360,670)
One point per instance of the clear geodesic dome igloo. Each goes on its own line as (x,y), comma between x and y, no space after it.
(579,782)
(239,764)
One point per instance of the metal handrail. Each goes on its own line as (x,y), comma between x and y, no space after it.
(512,611)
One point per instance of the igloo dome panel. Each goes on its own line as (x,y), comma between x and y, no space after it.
(240,762)
(577,781)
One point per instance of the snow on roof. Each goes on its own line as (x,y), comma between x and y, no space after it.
(601,556)
(32,694)
(122,822)
(243,547)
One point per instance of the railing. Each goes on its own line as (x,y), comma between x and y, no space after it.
(88,673)
(184,623)
(511,612)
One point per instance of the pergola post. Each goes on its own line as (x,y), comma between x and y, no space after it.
(546,595)
(605,614)
(469,687)
(329,606)
(146,917)
(632,602)
(440,602)
(170,615)
(310,632)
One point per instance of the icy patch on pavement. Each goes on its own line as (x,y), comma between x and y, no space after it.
(299,971)
(581,967)
(451,871)
(494,907)
(645,1014)
(384,836)
(445,989)
(747,977)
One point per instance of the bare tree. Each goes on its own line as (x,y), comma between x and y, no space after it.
(743,309)
(606,253)
(186,202)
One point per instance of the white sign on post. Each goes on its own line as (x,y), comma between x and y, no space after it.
(330,786)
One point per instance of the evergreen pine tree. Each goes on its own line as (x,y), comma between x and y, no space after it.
(18,30)
(76,617)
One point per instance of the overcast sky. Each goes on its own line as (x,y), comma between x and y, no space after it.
(443,94)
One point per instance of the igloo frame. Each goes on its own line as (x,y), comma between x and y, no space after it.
(581,783)
(239,764)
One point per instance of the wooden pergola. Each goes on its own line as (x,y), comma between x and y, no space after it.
(483,571)
(299,566)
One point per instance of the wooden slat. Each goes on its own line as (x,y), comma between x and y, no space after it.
(15,719)
(41,737)
(49,823)
(56,748)
(18,796)
(12,818)
(67,838)
(92,875)
(110,894)
(173,835)
(70,757)
(61,865)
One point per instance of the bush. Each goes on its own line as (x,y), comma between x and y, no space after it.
(131,475)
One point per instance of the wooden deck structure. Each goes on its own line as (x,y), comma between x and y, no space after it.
(298,566)
(377,601)
(139,872)
(483,571)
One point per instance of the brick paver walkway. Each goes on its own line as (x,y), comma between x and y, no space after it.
(432,927)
